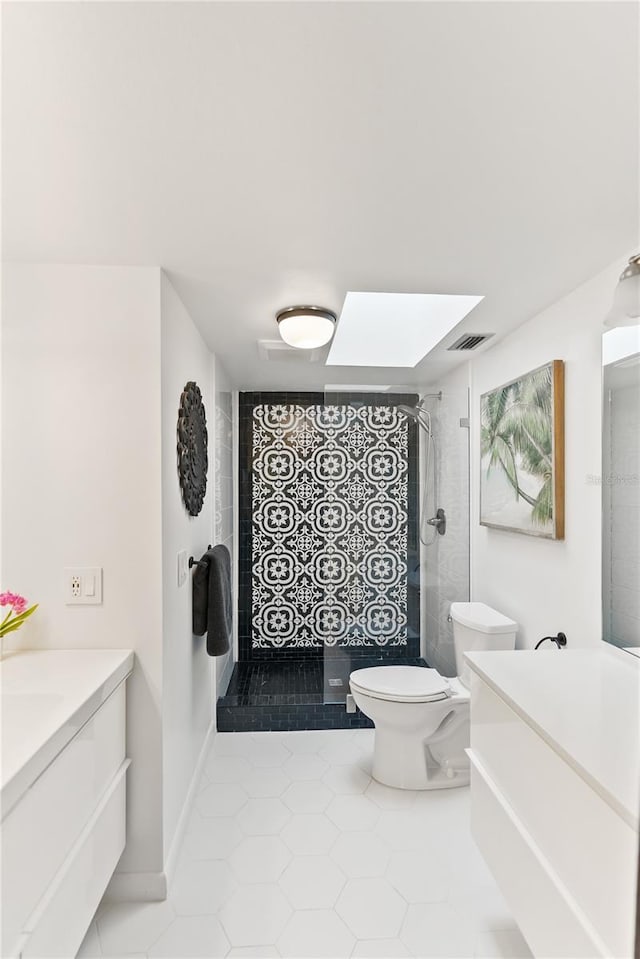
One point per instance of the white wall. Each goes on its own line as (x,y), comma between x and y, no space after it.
(224,500)
(188,706)
(94,362)
(548,585)
(81,486)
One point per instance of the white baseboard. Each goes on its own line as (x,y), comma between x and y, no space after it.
(136,887)
(176,843)
(152,886)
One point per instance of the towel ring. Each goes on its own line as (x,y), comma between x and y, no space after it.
(196,562)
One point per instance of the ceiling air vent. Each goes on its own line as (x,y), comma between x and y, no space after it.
(278,351)
(470,341)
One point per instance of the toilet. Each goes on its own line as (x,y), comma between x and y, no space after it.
(421,718)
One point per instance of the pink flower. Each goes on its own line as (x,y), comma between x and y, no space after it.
(17,602)
(18,613)
(19,605)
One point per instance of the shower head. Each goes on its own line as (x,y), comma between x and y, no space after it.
(414,412)
(419,416)
(411,411)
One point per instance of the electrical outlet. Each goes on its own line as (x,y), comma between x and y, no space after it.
(83,585)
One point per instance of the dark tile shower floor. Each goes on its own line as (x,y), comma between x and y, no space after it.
(296,694)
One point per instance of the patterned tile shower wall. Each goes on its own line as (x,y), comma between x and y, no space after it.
(332,491)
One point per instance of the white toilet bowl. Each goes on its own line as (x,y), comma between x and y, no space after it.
(421,718)
(422,725)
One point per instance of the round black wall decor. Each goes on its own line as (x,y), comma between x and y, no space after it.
(192,448)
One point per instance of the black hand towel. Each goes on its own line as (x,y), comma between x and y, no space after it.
(200,592)
(212,606)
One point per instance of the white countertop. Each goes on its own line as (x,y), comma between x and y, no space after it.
(46,696)
(585,703)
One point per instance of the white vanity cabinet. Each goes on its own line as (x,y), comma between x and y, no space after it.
(63,793)
(555,778)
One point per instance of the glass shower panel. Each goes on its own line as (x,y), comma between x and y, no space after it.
(328,524)
(369,479)
(445,561)
(332,573)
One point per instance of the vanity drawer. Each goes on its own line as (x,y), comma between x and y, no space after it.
(61,921)
(41,828)
(592,849)
(548,919)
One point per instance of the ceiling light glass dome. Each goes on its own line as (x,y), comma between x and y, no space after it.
(626,302)
(306,327)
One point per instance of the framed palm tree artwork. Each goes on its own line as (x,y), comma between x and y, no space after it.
(522,454)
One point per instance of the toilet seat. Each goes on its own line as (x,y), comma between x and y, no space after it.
(401,684)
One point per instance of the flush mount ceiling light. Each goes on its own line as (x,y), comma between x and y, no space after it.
(306,327)
(626,301)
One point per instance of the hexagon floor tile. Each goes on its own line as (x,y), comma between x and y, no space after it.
(269,781)
(263,817)
(407,872)
(213,837)
(310,741)
(260,859)
(226,769)
(202,886)
(347,780)
(309,835)
(221,799)
(266,752)
(380,949)
(247,952)
(189,936)
(291,849)
(314,933)
(255,915)
(307,797)
(388,798)
(312,882)
(341,753)
(361,854)
(435,930)
(353,812)
(133,926)
(305,766)
(371,908)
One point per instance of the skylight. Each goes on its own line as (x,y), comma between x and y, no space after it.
(394,329)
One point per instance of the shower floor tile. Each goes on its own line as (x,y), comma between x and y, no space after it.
(294,682)
(322,882)
(272,683)
(296,694)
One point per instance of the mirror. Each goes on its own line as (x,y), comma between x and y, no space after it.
(621,488)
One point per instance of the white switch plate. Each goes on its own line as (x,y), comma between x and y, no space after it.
(83,585)
(183,566)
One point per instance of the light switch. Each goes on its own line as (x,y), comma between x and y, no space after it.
(183,567)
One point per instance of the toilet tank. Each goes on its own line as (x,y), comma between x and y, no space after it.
(477,627)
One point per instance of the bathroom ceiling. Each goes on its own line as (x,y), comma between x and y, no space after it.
(271,154)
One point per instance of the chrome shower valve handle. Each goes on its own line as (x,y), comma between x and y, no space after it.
(439,521)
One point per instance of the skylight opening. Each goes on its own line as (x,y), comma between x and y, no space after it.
(395,329)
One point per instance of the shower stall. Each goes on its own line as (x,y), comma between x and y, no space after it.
(337,517)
